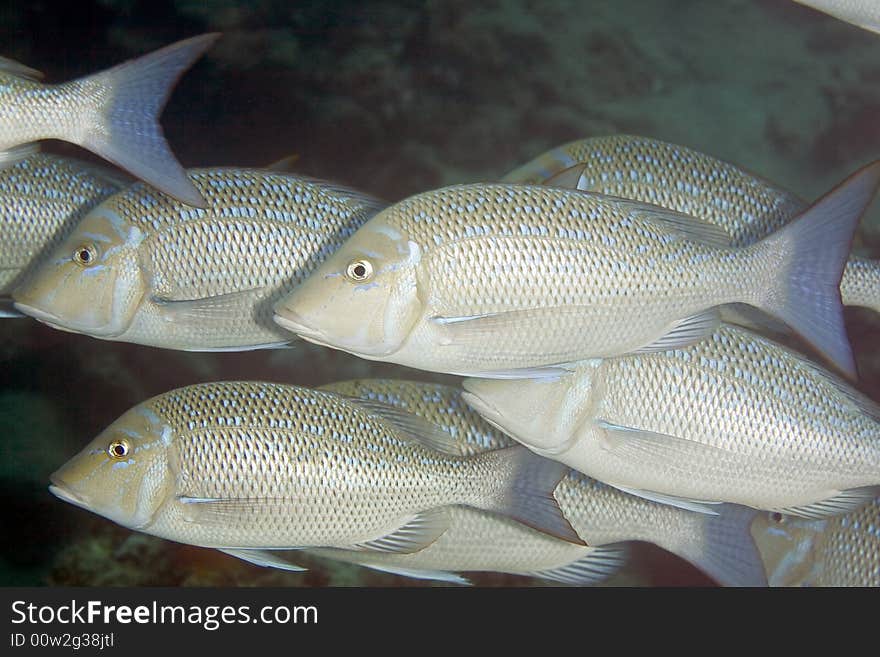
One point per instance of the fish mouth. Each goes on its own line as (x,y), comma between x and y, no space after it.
(292,322)
(50,319)
(60,490)
(41,315)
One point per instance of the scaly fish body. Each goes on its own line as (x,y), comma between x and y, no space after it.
(745,206)
(840,551)
(166,274)
(734,418)
(497,279)
(42,198)
(600,514)
(252,466)
(112,113)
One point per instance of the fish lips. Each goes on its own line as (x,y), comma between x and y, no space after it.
(55,321)
(292,322)
(60,490)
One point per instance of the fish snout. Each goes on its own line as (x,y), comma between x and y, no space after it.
(62,490)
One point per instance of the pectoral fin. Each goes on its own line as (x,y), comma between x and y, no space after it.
(661,452)
(220,309)
(219,511)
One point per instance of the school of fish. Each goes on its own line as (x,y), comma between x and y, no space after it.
(616,303)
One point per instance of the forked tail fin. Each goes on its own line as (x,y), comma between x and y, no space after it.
(812,252)
(127,131)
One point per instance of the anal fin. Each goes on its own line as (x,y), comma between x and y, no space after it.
(686,332)
(416,534)
(844,502)
(598,564)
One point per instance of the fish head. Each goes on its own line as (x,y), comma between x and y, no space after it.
(788,546)
(364,299)
(547,414)
(124,473)
(90,284)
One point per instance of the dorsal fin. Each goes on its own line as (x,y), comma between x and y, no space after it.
(410,426)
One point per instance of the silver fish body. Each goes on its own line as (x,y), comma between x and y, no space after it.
(253,467)
(603,516)
(863,13)
(499,280)
(112,113)
(839,551)
(165,274)
(746,207)
(734,418)
(42,198)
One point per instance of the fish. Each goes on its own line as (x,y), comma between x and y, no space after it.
(607,519)
(504,280)
(747,207)
(146,268)
(862,13)
(112,113)
(42,198)
(251,468)
(735,418)
(839,551)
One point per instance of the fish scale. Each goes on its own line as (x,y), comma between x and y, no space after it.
(44,196)
(746,206)
(732,418)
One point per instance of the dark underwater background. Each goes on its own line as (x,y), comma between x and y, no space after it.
(396,98)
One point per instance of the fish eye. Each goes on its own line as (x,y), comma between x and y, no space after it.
(359,270)
(118,449)
(776,517)
(85,255)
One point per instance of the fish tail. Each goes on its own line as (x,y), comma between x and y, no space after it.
(861,283)
(127,131)
(811,253)
(724,549)
(525,493)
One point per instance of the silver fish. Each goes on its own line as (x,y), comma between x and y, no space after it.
(250,468)
(734,418)
(112,113)
(604,517)
(746,207)
(863,13)
(143,267)
(501,280)
(839,551)
(42,198)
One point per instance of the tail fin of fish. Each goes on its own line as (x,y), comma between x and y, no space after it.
(812,252)
(525,492)
(127,131)
(725,550)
